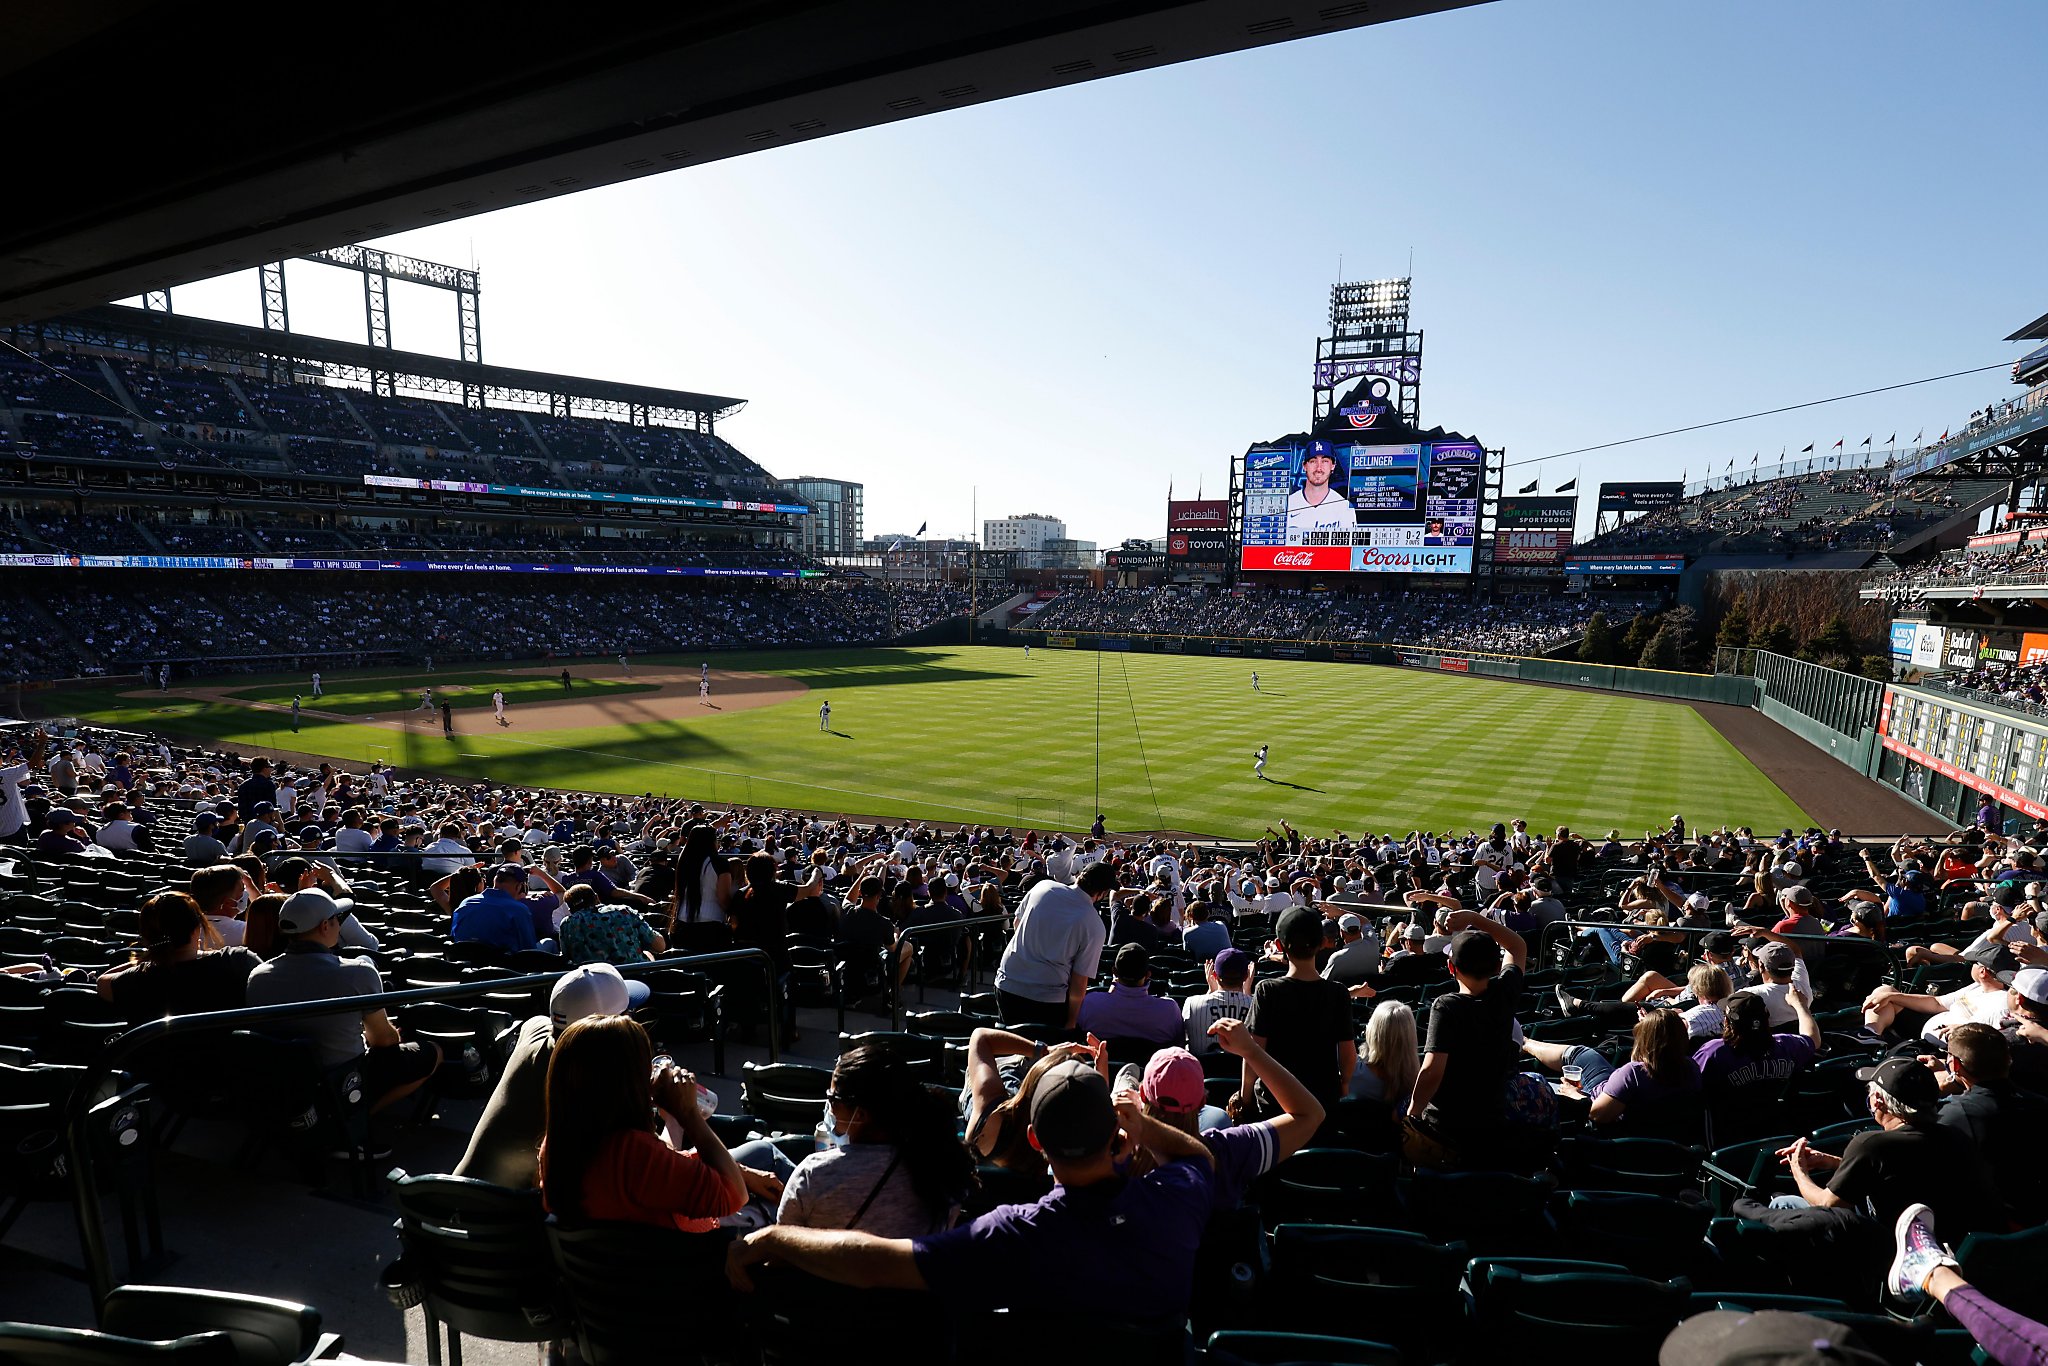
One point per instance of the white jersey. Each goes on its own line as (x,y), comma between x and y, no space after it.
(1319,523)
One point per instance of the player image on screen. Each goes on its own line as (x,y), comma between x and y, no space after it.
(1433,532)
(1317,513)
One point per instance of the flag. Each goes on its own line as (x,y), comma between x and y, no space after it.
(1752,459)
(1891,440)
(1944,434)
(1807,447)
(1838,444)
(920,528)
(1866,441)
(895,545)
(1568,485)
(1917,435)
(1531,488)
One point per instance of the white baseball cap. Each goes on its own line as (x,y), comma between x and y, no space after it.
(1698,901)
(593,989)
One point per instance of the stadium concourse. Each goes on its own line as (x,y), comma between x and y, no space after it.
(1357,1080)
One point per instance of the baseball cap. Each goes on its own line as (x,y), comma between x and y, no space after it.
(1698,901)
(1770,1337)
(1915,879)
(2031,983)
(2006,894)
(1721,942)
(1174,1081)
(1474,953)
(1349,922)
(1776,958)
(1071,1113)
(205,820)
(1791,869)
(1300,931)
(262,807)
(606,850)
(1234,965)
(1133,964)
(304,912)
(509,872)
(1415,931)
(1799,896)
(593,989)
(62,815)
(1905,1080)
(1275,883)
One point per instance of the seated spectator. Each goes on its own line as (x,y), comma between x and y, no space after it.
(62,833)
(1699,1002)
(118,832)
(1226,999)
(504,1149)
(201,849)
(185,968)
(1457,1115)
(1358,958)
(1204,937)
(600,1157)
(311,970)
(2004,1121)
(1096,1227)
(902,1172)
(1389,1060)
(1780,972)
(499,915)
(592,933)
(1656,1092)
(297,873)
(1128,1010)
(1922,1268)
(997,1118)
(1746,1066)
(1928,1016)
(223,893)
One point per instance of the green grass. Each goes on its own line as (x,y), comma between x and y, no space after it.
(459,690)
(983,734)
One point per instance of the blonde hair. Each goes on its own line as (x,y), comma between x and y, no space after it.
(1709,982)
(1390,1049)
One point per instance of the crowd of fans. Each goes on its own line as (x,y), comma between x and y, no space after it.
(1189,1051)
(112,621)
(2020,565)
(1513,623)
(1819,510)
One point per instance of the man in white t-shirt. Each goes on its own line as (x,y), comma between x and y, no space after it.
(1277,899)
(1229,974)
(1316,513)
(1059,864)
(1057,947)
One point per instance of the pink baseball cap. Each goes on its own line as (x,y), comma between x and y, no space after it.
(1174,1080)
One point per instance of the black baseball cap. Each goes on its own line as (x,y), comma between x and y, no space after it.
(1770,1337)
(1476,954)
(1071,1113)
(1906,1080)
(1300,931)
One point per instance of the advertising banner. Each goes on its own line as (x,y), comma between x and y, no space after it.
(1625,564)
(1961,651)
(1927,641)
(1534,531)
(1198,514)
(665,500)
(1198,545)
(2033,647)
(1902,640)
(43,561)
(1640,497)
(1129,561)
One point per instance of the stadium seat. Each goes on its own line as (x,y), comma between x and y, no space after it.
(1494,1213)
(34,1161)
(1652,1165)
(1577,1315)
(1331,1279)
(475,1258)
(1331,1186)
(1661,1236)
(265,1332)
(32,1344)
(625,1282)
(2007,1266)
(797,1320)
(790,1097)
(1300,1349)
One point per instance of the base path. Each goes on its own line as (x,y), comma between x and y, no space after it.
(1826,789)
(674,698)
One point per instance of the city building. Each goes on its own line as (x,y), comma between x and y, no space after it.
(1027,532)
(835,524)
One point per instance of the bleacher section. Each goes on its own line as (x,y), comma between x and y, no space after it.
(1844,510)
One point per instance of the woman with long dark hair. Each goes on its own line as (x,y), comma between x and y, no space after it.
(600,1157)
(703,882)
(184,969)
(903,1171)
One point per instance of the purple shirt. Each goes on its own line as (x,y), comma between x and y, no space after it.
(1131,1013)
(1724,1071)
(1138,1236)
(1243,1153)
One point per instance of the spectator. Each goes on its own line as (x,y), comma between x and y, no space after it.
(1390,1060)
(311,970)
(1226,999)
(1358,958)
(902,1172)
(1458,1111)
(1656,1092)
(504,1149)
(592,933)
(703,882)
(1204,936)
(185,969)
(601,1160)
(1128,1010)
(1303,1021)
(1054,950)
(499,915)
(1744,1068)
(1923,1268)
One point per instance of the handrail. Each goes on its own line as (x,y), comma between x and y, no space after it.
(936,927)
(1854,941)
(85,1179)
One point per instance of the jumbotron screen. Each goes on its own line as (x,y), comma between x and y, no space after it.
(1339,507)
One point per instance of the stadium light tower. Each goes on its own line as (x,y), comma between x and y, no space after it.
(1369,336)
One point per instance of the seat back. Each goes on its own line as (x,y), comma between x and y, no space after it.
(1332,1186)
(480,1254)
(1653,1166)
(789,1096)
(625,1281)
(797,1320)
(265,1332)
(34,1344)
(2006,1267)
(1580,1315)
(1260,1349)
(1328,1278)
(1495,1213)
(1657,1235)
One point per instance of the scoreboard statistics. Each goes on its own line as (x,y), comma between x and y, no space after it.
(1333,506)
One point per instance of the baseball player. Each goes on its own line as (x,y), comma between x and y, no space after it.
(824,716)
(1259,766)
(498,706)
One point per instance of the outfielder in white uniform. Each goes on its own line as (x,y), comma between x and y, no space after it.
(824,716)
(316,684)
(498,706)
(1259,767)
(626,666)
(1255,680)
(426,699)
(704,692)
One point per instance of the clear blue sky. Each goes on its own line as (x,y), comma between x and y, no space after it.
(1624,217)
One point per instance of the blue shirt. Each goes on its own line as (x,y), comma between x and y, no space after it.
(496,917)
(1205,940)
(1131,1013)
(1903,901)
(1138,1236)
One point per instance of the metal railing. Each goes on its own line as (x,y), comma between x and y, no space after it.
(916,932)
(85,1176)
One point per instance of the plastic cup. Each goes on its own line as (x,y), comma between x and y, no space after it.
(1572,1074)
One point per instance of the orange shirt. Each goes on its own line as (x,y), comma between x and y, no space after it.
(640,1179)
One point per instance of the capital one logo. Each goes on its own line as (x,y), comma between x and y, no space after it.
(1300,559)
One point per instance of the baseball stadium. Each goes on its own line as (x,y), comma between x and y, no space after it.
(496,863)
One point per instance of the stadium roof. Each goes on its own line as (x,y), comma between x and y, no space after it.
(2037,330)
(201,339)
(152,166)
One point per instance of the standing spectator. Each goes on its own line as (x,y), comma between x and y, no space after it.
(1457,1114)
(1302,1020)
(1226,999)
(1056,948)
(1359,956)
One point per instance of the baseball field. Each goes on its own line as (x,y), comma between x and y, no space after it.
(985,734)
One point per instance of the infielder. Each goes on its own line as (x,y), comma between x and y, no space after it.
(498,706)
(316,684)
(295,713)
(703,692)
(626,666)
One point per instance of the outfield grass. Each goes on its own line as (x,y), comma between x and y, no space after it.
(982,734)
(458,690)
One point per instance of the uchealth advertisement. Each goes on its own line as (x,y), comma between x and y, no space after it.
(1361,559)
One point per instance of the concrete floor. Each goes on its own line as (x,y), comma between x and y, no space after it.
(264,1232)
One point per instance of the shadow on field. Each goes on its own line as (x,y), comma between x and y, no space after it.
(897,666)
(1282,782)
